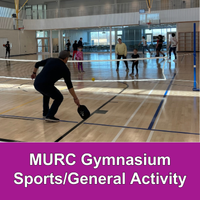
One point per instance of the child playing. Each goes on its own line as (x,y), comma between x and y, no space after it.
(79,56)
(135,62)
(145,47)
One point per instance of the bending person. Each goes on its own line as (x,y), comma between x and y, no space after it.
(54,69)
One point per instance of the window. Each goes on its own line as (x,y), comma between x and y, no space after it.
(119,32)
(148,31)
(42,34)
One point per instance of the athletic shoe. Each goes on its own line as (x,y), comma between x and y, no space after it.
(175,60)
(83,71)
(164,55)
(117,70)
(44,117)
(52,119)
(132,74)
(136,74)
(156,55)
(127,70)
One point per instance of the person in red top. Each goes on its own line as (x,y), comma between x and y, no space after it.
(75,48)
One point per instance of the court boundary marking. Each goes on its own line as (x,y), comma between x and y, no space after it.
(161,103)
(82,122)
(138,128)
(32,118)
(116,126)
(133,115)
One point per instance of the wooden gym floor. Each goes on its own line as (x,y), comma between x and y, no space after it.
(123,111)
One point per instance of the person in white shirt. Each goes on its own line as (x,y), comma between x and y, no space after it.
(145,45)
(172,46)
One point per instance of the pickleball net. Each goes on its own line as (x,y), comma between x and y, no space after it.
(150,69)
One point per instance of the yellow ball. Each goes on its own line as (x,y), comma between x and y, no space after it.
(93,79)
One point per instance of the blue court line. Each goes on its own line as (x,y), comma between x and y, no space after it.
(137,128)
(160,105)
(32,118)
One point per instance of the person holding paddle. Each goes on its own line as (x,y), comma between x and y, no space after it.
(54,69)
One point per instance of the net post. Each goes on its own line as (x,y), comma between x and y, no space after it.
(110,42)
(195,82)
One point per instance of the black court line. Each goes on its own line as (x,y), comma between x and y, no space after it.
(80,123)
(31,118)
(144,129)
(7,140)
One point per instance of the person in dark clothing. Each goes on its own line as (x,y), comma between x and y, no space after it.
(54,69)
(80,43)
(159,46)
(68,45)
(135,62)
(75,49)
(7,46)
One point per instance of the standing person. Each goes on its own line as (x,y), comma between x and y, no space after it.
(159,46)
(79,56)
(68,45)
(172,45)
(80,43)
(75,48)
(145,45)
(135,62)
(121,51)
(7,46)
(54,69)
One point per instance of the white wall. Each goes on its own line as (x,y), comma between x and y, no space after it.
(123,19)
(2,49)
(6,23)
(22,43)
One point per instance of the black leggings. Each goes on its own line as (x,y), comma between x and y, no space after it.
(136,65)
(124,57)
(174,51)
(49,92)
(8,53)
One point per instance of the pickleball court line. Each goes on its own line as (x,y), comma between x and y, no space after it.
(138,128)
(82,122)
(32,118)
(133,115)
(159,110)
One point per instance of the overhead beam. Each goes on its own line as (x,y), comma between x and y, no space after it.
(23,5)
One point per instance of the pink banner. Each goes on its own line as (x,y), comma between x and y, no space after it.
(99,171)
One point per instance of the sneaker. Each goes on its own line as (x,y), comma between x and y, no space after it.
(44,117)
(175,60)
(117,70)
(163,55)
(156,55)
(132,74)
(127,70)
(52,119)
(83,71)
(136,74)
(169,58)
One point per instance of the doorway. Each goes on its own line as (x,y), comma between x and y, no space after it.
(43,45)
(149,38)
